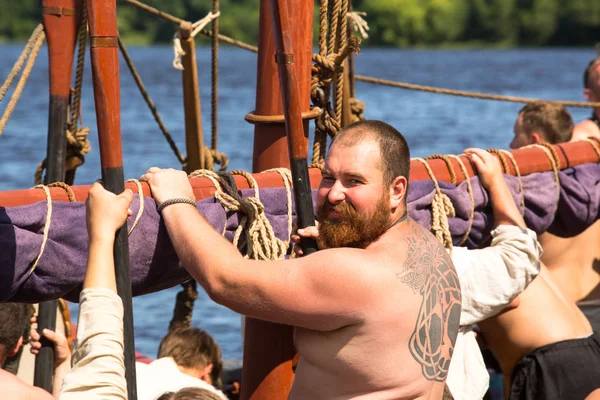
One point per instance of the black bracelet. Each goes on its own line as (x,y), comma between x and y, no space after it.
(174,200)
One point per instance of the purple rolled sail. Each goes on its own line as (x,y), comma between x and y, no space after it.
(154,264)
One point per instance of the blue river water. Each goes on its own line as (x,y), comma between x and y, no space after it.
(432,124)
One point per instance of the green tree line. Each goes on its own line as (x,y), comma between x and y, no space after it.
(397,23)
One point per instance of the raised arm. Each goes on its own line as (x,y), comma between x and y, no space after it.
(492,277)
(98,367)
(324,291)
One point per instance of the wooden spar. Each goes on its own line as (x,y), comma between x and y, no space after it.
(191,100)
(60,25)
(104,50)
(297,146)
(270,144)
(529,160)
(203,188)
(269,348)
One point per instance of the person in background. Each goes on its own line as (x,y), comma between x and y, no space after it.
(98,368)
(190,394)
(573,263)
(545,346)
(591,83)
(13,321)
(542,122)
(187,357)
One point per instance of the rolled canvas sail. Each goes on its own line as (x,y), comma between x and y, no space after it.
(154,264)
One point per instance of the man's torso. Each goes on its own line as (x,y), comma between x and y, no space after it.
(544,316)
(402,348)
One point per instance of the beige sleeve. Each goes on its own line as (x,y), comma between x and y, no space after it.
(491,277)
(98,367)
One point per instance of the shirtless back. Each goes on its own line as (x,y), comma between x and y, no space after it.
(574,263)
(389,354)
(507,337)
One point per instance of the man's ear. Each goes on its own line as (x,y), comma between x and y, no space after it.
(588,94)
(15,350)
(536,138)
(398,191)
(205,373)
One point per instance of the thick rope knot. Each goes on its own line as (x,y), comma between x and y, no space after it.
(219,158)
(78,143)
(357,110)
(441,210)
(358,23)
(78,146)
(196,28)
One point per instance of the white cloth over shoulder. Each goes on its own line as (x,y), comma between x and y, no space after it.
(163,375)
(490,278)
(98,367)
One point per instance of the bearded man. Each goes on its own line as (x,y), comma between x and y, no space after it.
(380,305)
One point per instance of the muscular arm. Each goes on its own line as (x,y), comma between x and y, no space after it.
(324,291)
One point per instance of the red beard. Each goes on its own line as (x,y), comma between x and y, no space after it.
(352,229)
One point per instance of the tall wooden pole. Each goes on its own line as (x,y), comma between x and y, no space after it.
(270,144)
(297,146)
(269,348)
(191,100)
(60,25)
(104,51)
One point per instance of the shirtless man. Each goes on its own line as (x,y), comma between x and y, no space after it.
(545,346)
(491,278)
(591,82)
(573,263)
(377,312)
(13,319)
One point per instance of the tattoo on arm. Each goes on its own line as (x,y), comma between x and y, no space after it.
(428,270)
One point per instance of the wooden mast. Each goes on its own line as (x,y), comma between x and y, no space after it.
(194,141)
(60,25)
(269,348)
(270,144)
(104,49)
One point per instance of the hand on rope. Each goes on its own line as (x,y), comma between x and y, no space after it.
(196,28)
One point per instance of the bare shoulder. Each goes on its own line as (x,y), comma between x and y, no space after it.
(15,388)
(585,129)
(428,271)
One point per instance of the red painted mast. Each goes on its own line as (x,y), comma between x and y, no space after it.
(269,348)
(104,50)
(60,21)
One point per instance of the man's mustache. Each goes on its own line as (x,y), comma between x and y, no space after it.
(343,208)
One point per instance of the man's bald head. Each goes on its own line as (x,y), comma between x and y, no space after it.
(394,151)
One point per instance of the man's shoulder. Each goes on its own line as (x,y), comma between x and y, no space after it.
(15,388)
(585,129)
